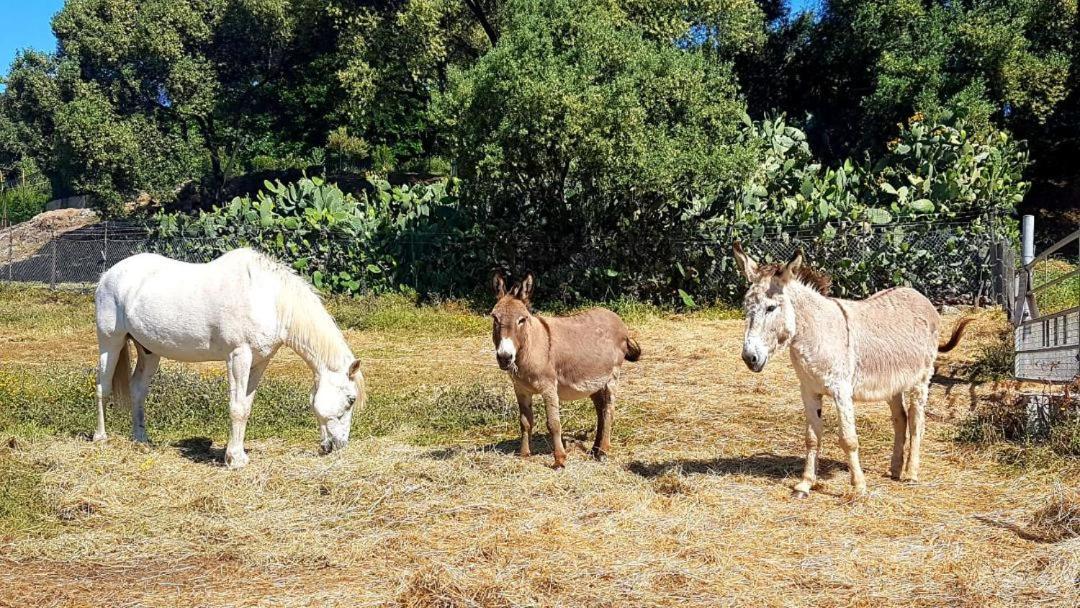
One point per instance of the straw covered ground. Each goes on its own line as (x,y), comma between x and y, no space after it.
(430,507)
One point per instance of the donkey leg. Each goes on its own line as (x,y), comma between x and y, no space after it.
(525,417)
(239,364)
(145,369)
(812,413)
(899,425)
(849,440)
(604,402)
(554,424)
(916,423)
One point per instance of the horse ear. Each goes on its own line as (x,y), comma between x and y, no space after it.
(747,264)
(354,369)
(527,285)
(498,283)
(791,269)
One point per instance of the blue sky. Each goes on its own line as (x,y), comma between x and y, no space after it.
(26,23)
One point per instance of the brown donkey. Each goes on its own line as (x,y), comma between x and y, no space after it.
(559,358)
(878,349)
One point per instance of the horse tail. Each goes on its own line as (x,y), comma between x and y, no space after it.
(633,350)
(121,379)
(958,331)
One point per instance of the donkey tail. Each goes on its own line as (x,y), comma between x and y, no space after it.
(958,331)
(121,379)
(633,350)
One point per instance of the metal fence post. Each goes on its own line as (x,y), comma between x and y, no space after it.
(7,224)
(52,278)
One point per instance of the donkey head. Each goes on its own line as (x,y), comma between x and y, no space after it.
(510,318)
(770,316)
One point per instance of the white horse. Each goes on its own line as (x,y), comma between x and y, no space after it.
(239,308)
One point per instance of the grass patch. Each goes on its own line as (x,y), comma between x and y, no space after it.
(24,511)
(184,403)
(1001,425)
(396,312)
(39,308)
(1057,297)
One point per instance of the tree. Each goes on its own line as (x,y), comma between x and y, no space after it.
(578,129)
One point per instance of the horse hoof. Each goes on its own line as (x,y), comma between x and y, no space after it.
(524,454)
(98,438)
(799,494)
(598,454)
(236,462)
(909,480)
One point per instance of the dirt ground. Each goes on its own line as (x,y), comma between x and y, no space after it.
(692,509)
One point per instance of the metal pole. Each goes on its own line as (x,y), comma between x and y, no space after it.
(1027,254)
(52,279)
(1028,239)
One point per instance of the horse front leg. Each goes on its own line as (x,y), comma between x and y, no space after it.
(849,440)
(812,413)
(554,424)
(239,365)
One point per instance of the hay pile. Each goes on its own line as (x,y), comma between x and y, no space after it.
(30,236)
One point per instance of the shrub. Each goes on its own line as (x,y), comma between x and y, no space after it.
(384,240)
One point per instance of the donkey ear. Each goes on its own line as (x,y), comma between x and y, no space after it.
(791,269)
(747,264)
(527,285)
(498,283)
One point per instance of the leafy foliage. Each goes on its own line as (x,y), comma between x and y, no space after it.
(377,242)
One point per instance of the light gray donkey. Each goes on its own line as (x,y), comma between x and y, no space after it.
(877,349)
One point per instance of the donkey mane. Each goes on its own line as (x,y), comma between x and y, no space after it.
(308,327)
(811,277)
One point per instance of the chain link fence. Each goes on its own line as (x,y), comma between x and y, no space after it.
(949,261)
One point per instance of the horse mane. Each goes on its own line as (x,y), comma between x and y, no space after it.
(309,329)
(813,278)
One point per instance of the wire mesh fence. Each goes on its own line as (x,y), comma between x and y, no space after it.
(947,261)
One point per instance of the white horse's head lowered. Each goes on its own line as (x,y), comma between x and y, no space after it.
(333,399)
(770,316)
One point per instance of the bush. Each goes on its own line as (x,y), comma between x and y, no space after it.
(24,202)
(390,239)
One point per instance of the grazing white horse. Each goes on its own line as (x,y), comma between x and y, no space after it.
(239,308)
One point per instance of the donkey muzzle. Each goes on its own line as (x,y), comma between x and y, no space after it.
(753,360)
(505,360)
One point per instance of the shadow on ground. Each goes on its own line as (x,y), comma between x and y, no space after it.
(201,450)
(770,466)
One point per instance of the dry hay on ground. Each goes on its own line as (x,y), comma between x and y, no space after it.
(693,508)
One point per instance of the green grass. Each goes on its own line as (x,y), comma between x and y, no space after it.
(1061,296)
(35,307)
(24,510)
(59,400)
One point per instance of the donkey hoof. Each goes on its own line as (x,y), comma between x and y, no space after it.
(800,494)
(598,454)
